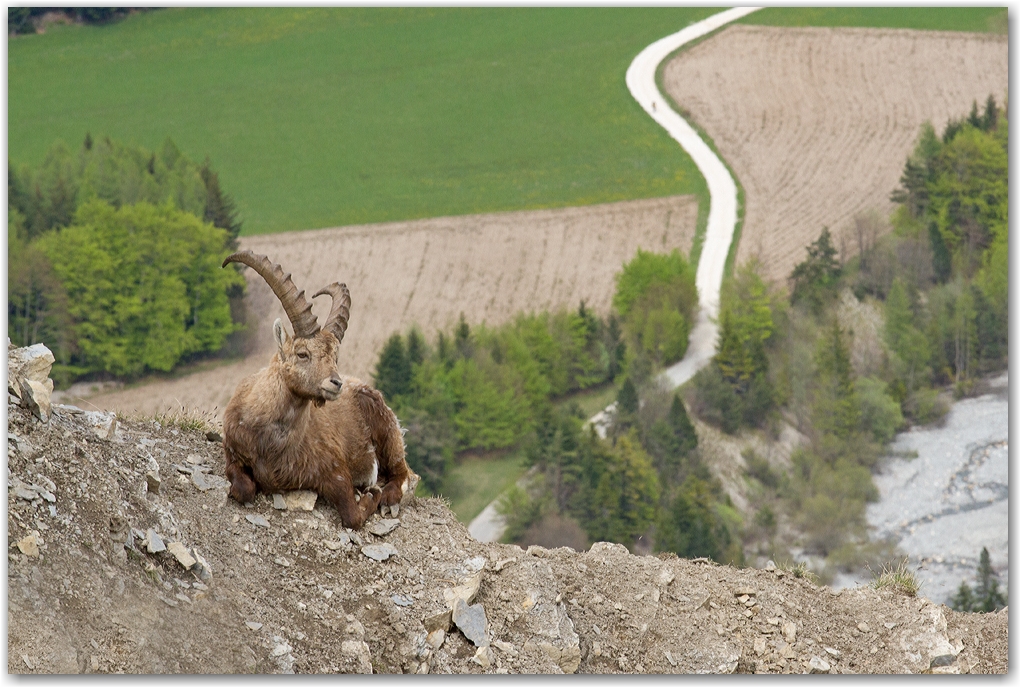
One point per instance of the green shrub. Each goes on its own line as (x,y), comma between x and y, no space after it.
(880,413)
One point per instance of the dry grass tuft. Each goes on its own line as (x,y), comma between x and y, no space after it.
(898,578)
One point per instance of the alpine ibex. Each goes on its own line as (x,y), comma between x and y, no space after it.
(298,424)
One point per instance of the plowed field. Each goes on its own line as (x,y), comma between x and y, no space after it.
(429,271)
(816,123)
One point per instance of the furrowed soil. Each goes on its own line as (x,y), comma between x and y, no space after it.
(293,591)
(488,267)
(816,123)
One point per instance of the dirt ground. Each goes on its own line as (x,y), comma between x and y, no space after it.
(817,123)
(428,272)
(292,591)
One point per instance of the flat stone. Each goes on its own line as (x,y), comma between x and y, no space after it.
(745,591)
(257,520)
(195,459)
(863,627)
(279,503)
(154,544)
(301,499)
(383,527)
(760,644)
(819,665)
(152,482)
(200,481)
(483,657)
(402,600)
(832,652)
(280,560)
(505,647)
(253,626)
(472,622)
(180,552)
(379,552)
(23,491)
(29,546)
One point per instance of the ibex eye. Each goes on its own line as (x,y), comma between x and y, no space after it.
(302,355)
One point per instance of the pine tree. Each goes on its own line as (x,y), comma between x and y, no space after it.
(941,259)
(838,409)
(393,371)
(814,280)
(462,338)
(963,600)
(219,207)
(991,119)
(974,119)
(415,347)
(988,598)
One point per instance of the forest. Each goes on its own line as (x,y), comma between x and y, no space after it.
(875,331)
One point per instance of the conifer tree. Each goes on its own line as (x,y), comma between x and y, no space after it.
(393,371)
(988,598)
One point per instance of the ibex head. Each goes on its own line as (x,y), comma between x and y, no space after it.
(308,360)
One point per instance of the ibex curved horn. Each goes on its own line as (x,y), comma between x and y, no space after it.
(299,311)
(340,312)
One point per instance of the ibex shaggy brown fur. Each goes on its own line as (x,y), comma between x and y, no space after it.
(298,424)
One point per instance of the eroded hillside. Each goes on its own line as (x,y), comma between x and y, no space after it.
(126,555)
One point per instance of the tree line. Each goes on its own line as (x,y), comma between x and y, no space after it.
(114,258)
(508,387)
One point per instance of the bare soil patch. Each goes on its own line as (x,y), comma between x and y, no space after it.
(817,123)
(293,591)
(488,267)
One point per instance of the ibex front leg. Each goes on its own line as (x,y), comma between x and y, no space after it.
(339,491)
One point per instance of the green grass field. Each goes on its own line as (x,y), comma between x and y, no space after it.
(976,19)
(329,116)
(475,480)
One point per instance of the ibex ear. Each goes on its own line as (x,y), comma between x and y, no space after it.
(280,334)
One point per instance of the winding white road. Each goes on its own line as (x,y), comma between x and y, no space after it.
(722,220)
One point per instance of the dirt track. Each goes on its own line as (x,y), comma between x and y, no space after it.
(429,271)
(816,123)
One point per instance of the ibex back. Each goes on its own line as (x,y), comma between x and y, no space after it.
(300,424)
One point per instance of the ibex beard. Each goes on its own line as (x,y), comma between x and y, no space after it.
(300,424)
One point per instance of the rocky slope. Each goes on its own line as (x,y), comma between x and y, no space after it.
(125,555)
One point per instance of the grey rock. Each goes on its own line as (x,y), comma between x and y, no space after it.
(472,622)
(23,491)
(383,527)
(199,480)
(402,600)
(253,626)
(279,503)
(257,520)
(379,552)
(195,459)
(154,544)
(280,560)
(202,567)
